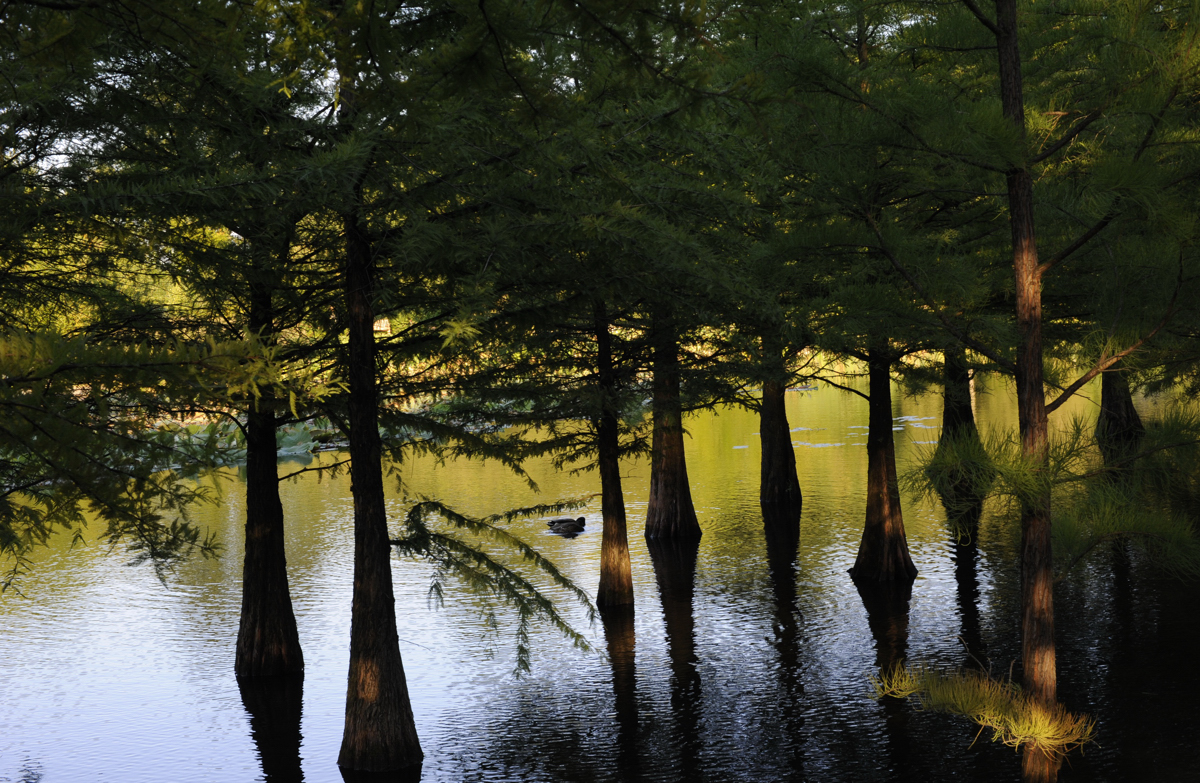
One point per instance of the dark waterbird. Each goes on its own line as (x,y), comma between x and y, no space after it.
(567,527)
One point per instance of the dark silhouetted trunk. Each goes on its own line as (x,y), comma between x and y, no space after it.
(962,502)
(1119,428)
(883,551)
(669,513)
(273,704)
(1037,576)
(958,420)
(380,734)
(616,576)
(268,643)
(961,480)
(621,639)
(674,564)
(778,489)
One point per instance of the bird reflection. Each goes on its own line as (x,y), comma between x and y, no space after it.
(273,704)
(675,571)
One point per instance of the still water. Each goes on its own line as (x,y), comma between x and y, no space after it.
(746,660)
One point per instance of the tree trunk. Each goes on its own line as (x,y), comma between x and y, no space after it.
(958,420)
(268,643)
(669,513)
(779,488)
(1037,578)
(616,576)
(883,551)
(960,481)
(380,734)
(1119,428)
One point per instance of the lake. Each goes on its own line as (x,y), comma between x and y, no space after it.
(742,662)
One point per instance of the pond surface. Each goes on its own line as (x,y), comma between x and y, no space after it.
(744,661)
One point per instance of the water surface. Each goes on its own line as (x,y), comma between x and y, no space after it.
(745,659)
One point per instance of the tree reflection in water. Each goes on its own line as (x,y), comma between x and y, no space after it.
(620,637)
(675,571)
(782,539)
(887,615)
(273,704)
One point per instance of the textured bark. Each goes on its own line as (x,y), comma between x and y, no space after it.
(1037,578)
(268,643)
(616,575)
(883,551)
(779,488)
(380,734)
(273,704)
(1119,428)
(669,513)
(674,562)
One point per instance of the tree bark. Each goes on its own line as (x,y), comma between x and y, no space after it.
(616,575)
(1037,577)
(669,513)
(380,733)
(883,551)
(268,643)
(779,488)
(1119,428)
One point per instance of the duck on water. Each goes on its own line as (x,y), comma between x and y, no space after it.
(567,527)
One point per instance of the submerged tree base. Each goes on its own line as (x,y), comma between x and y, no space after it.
(1014,718)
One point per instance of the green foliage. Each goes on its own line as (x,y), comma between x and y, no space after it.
(1014,718)
(1147,498)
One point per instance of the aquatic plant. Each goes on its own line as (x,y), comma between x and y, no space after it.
(1000,705)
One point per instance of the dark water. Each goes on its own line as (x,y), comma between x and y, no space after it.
(745,659)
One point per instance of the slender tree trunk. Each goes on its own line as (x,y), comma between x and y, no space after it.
(1119,428)
(958,420)
(883,551)
(616,576)
(779,488)
(1037,577)
(961,483)
(380,733)
(669,513)
(267,642)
